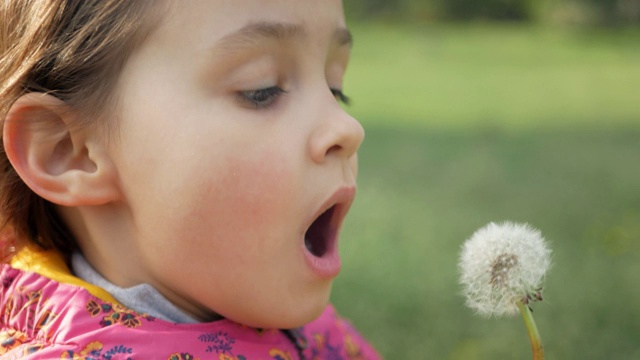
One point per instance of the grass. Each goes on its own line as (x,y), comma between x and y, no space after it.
(501,76)
(438,164)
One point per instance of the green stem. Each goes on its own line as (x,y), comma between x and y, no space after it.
(532,330)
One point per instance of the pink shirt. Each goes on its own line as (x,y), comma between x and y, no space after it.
(46,313)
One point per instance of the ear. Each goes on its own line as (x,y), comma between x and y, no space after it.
(64,164)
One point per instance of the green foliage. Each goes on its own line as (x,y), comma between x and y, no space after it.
(488,9)
(441,9)
(587,12)
(505,76)
(467,125)
(374,8)
(616,12)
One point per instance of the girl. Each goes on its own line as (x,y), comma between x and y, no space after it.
(174,178)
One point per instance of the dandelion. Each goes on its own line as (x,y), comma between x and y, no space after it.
(502,268)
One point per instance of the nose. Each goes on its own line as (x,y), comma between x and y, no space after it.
(337,134)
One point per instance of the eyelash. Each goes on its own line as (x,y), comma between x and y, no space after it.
(341,97)
(263,98)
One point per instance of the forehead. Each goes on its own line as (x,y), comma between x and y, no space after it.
(201,24)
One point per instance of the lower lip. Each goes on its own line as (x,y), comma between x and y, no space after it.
(326,267)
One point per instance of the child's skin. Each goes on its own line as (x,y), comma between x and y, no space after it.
(211,176)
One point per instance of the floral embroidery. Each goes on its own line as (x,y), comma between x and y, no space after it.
(222,345)
(11,339)
(130,320)
(229,357)
(297,336)
(222,342)
(32,349)
(277,354)
(90,352)
(93,351)
(119,349)
(320,341)
(45,320)
(20,299)
(93,308)
(116,314)
(325,351)
(30,302)
(351,345)
(352,348)
(182,356)
(7,278)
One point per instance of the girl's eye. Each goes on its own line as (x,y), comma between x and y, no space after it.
(340,96)
(261,98)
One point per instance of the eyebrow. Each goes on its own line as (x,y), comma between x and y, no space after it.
(277,31)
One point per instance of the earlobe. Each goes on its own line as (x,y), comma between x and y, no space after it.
(61,162)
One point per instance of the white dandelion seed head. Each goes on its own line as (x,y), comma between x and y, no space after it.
(500,264)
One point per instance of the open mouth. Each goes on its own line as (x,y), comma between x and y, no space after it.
(318,237)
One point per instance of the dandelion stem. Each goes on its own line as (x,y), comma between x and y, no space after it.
(532,330)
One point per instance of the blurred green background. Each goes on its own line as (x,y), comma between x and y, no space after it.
(480,111)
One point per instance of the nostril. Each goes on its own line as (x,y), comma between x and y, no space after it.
(334,148)
(338,135)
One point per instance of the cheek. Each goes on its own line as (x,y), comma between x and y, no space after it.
(259,188)
(245,198)
(239,219)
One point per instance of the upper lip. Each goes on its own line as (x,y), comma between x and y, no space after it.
(342,200)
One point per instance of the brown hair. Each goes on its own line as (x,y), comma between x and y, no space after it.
(71,49)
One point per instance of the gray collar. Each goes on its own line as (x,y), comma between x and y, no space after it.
(142,298)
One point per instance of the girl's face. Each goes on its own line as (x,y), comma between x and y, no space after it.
(231,145)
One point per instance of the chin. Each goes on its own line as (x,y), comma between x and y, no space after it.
(291,317)
(305,318)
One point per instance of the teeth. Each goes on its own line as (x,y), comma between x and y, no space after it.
(307,243)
